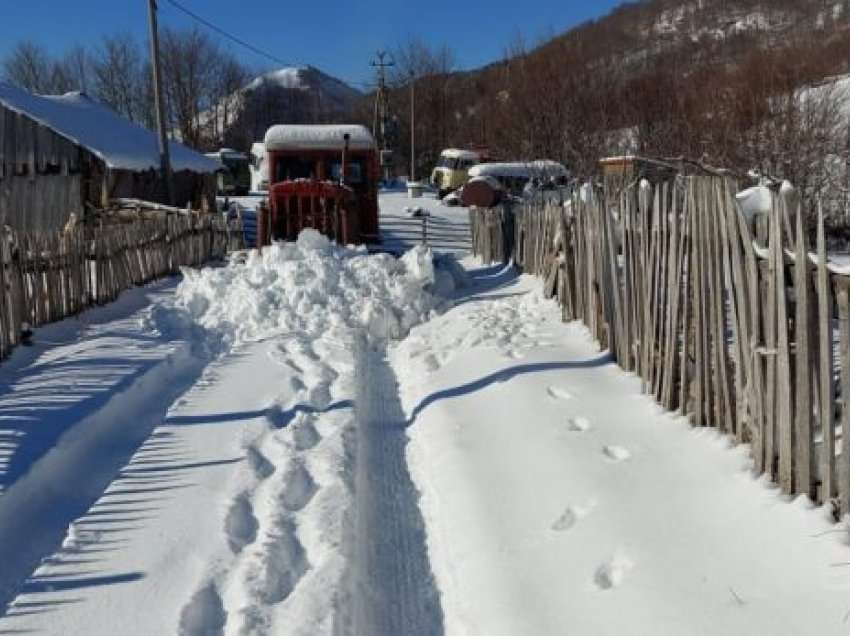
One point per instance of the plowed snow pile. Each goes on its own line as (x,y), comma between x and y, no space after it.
(310,288)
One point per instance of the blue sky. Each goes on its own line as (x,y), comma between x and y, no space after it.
(337,36)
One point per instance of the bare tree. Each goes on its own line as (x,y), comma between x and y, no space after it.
(118,76)
(226,99)
(188,75)
(440,109)
(28,66)
(76,65)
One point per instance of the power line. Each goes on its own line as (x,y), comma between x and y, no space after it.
(245,44)
(227,35)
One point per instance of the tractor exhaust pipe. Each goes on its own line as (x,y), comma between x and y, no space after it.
(343,169)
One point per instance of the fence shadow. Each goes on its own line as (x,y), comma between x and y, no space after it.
(504,375)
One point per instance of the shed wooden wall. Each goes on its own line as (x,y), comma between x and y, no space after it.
(190,188)
(41,174)
(44,178)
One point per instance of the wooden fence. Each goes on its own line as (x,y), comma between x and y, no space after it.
(48,277)
(751,338)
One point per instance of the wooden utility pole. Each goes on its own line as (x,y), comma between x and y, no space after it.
(382,110)
(164,159)
(412,126)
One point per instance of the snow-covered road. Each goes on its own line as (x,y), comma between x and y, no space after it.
(244,454)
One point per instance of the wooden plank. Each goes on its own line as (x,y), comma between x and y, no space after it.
(768,278)
(842,298)
(687,307)
(803,435)
(736,285)
(826,400)
(783,363)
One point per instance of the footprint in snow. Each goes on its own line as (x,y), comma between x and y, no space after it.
(305,434)
(431,363)
(558,393)
(204,614)
(571,516)
(612,573)
(299,489)
(260,465)
(240,524)
(578,424)
(616,453)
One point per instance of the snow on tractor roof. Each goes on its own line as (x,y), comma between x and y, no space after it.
(319,137)
(458,153)
(522,170)
(120,143)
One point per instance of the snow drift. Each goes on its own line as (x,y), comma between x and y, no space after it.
(311,287)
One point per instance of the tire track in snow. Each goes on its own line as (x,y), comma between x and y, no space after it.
(394,588)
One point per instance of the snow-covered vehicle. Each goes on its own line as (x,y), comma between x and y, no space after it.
(234,179)
(452,169)
(515,177)
(324,177)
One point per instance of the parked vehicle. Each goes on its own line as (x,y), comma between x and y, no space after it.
(452,169)
(323,177)
(235,177)
(514,177)
(259,169)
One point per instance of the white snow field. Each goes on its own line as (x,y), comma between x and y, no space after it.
(319,441)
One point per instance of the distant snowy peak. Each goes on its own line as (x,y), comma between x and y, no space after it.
(289,77)
(307,79)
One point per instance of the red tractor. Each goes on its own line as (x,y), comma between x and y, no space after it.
(321,177)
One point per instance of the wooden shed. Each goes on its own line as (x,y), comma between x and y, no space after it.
(63,154)
(621,171)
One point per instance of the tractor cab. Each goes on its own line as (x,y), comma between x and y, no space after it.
(323,177)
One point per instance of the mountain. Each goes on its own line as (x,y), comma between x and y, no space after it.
(709,30)
(289,95)
(331,93)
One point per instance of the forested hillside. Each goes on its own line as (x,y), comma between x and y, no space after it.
(722,81)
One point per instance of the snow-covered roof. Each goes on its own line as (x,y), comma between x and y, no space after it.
(523,170)
(457,153)
(319,137)
(120,143)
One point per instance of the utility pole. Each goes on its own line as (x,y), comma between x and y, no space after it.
(382,110)
(413,126)
(164,159)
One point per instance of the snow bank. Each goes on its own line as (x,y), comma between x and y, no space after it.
(310,288)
